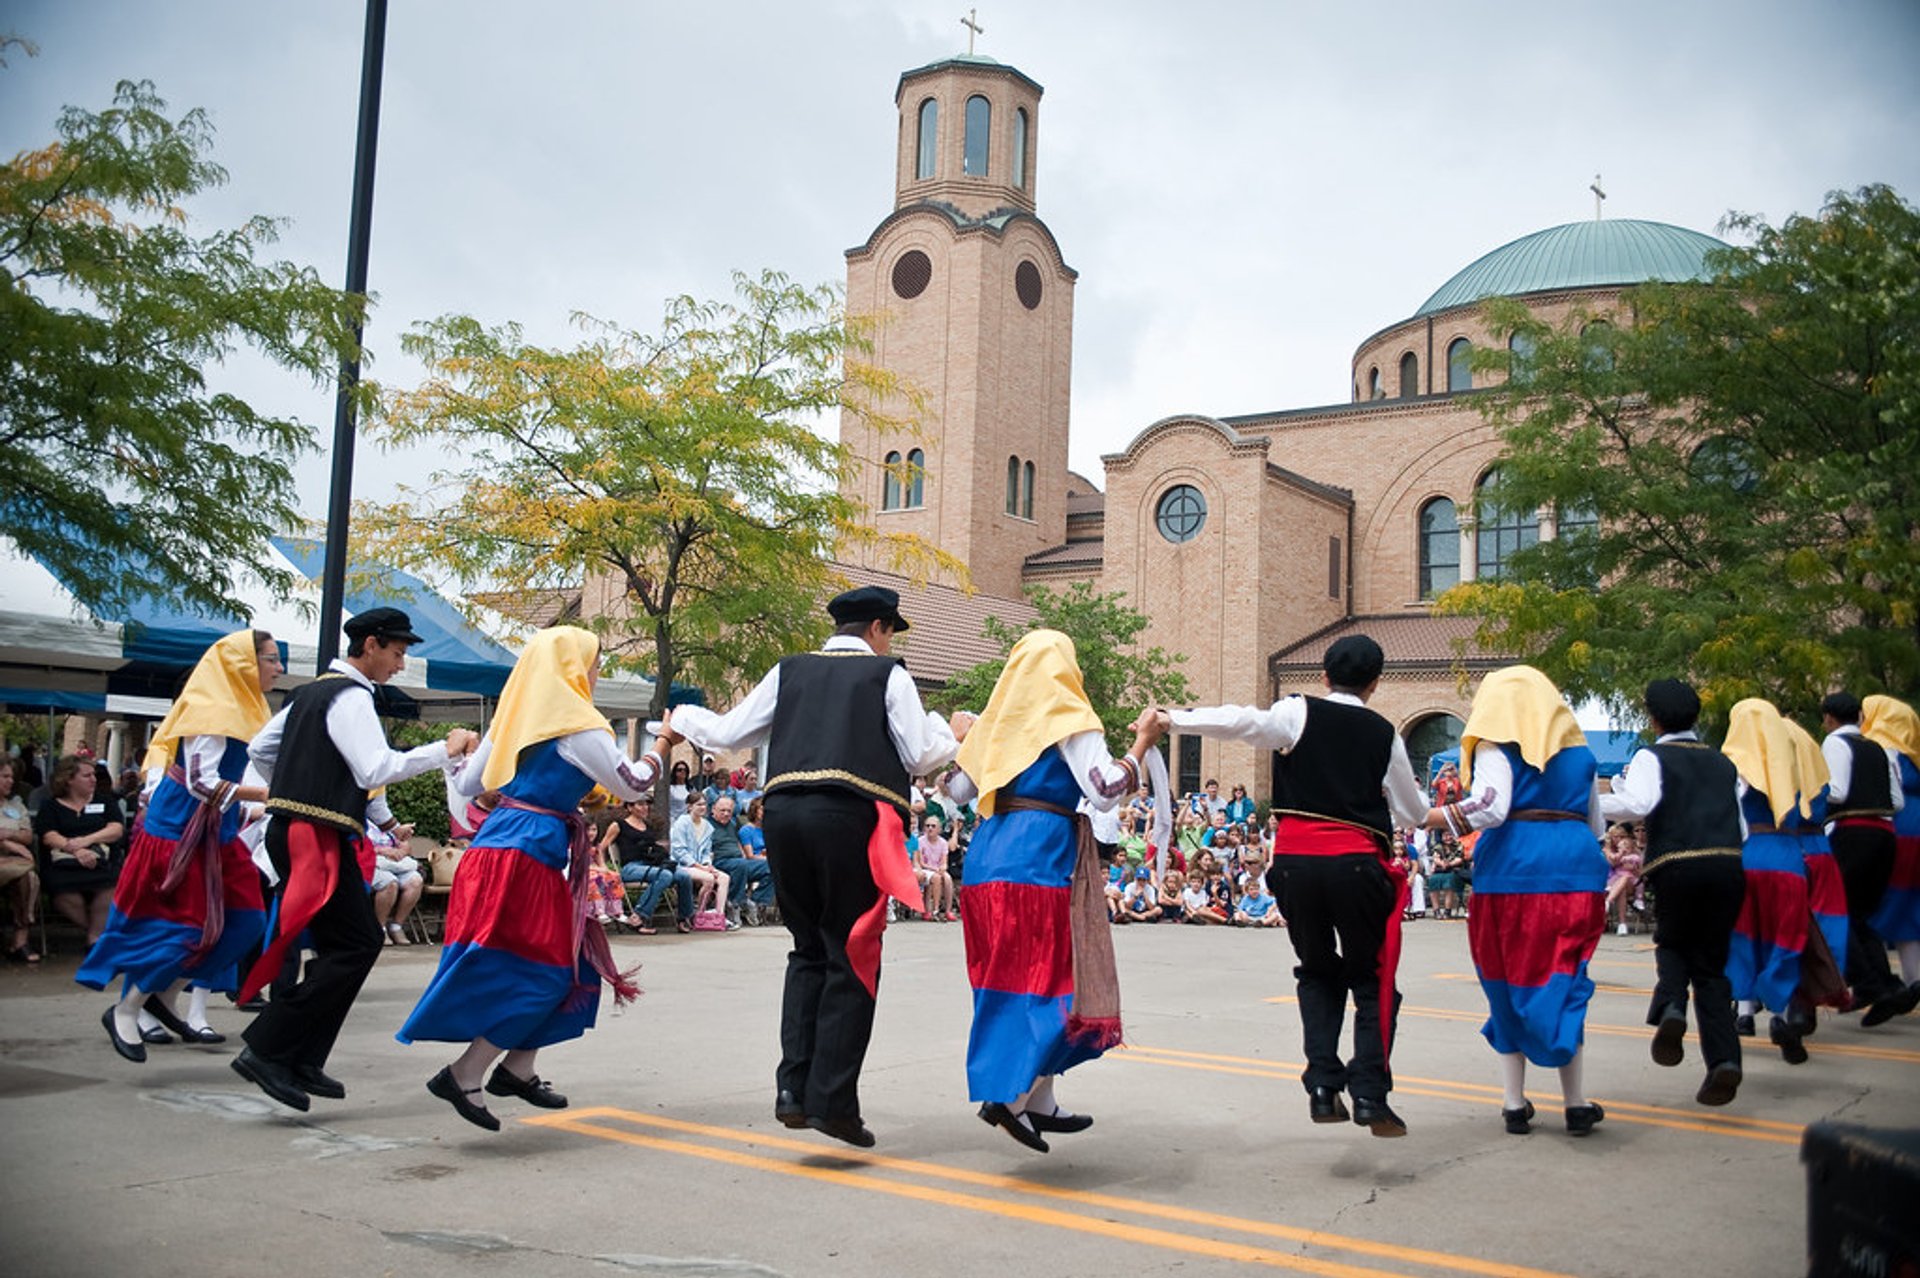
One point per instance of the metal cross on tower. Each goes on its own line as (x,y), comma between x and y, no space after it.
(972,23)
(1598,195)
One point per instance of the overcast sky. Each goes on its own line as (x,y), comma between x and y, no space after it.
(1247,189)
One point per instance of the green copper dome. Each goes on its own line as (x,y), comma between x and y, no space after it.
(1580,255)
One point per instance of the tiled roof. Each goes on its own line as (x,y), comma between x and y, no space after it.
(1074,554)
(946,636)
(1410,642)
(1086,504)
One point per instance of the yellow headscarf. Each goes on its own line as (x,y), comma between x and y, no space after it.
(548,695)
(1519,706)
(1760,748)
(222,698)
(1892,723)
(1810,766)
(1039,700)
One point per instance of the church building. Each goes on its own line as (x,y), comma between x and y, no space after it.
(1250,542)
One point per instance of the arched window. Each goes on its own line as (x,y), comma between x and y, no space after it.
(1723,462)
(1409,376)
(979,127)
(890,484)
(1013,485)
(1580,521)
(1433,735)
(1373,384)
(1459,370)
(1597,337)
(1020,149)
(1439,547)
(929,141)
(916,478)
(1499,532)
(1520,348)
(1026,491)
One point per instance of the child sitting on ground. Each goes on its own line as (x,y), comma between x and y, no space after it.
(1140,899)
(1172,909)
(1257,907)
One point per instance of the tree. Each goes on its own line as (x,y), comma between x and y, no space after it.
(120,467)
(678,474)
(1121,681)
(1750,446)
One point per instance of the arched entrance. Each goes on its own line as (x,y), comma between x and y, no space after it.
(1430,736)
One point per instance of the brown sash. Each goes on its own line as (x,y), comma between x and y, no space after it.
(1545,814)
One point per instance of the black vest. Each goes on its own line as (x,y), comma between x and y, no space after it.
(1870,793)
(311,782)
(1698,813)
(1336,769)
(830,727)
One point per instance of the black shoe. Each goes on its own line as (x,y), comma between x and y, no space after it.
(850,1130)
(1581,1118)
(787,1111)
(1378,1117)
(443,1086)
(155,1036)
(271,1077)
(207,1035)
(531,1090)
(1059,1123)
(135,1052)
(257,1003)
(1744,1027)
(1898,1003)
(315,1081)
(1519,1121)
(1325,1106)
(159,1011)
(1722,1085)
(998,1115)
(1667,1048)
(1784,1037)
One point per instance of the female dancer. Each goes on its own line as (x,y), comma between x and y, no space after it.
(520,968)
(188,905)
(1539,882)
(1763,964)
(1896,728)
(1822,982)
(1039,954)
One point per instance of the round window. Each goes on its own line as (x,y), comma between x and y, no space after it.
(912,273)
(1026,285)
(1181,514)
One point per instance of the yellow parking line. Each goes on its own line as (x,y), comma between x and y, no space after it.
(582,1123)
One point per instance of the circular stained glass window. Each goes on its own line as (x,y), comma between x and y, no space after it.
(1181,514)
(1026,284)
(912,273)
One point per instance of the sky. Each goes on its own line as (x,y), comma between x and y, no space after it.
(1247,189)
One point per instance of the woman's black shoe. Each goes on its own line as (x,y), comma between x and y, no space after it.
(135,1052)
(1063,1124)
(531,1090)
(155,1036)
(1581,1118)
(998,1115)
(1519,1120)
(208,1035)
(443,1086)
(159,1011)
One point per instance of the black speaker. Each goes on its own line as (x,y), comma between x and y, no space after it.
(1863,1201)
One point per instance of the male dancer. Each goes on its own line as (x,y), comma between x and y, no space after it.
(845,734)
(1345,783)
(1862,795)
(1688,793)
(320,756)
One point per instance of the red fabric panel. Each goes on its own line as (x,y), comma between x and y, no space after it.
(893,875)
(1826,891)
(506,900)
(138,894)
(1906,862)
(313,871)
(1775,909)
(1303,836)
(1019,938)
(1527,938)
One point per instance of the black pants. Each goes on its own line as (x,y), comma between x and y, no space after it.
(1698,901)
(1337,910)
(1865,856)
(300,1025)
(817,850)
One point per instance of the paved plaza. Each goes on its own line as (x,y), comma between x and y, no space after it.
(1202,1160)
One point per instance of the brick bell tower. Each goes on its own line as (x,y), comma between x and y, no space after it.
(976,307)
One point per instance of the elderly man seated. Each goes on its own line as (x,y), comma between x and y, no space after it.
(750,878)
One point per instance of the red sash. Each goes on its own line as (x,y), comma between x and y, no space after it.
(313,873)
(893,875)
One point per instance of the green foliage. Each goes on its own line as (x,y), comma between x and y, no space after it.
(119,466)
(1121,681)
(421,801)
(682,470)
(1751,446)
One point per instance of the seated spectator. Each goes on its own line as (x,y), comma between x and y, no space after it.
(751,879)
(644,861)
(1210,802)
(1623,875)
(1116,889)
(1131,842)
(1141,806)
(1240,808)
(19,881)
(930,867)
(1139,900)
(1215,835)
(397,882)
(1253,867)
(1444,884)
(753,846)
(1196,903)
(1257,907)
(679,786)
(81,831)
(1189,833)
(691,842)
(1172,908)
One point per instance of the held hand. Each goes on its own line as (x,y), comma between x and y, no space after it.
(667,735)
(962,723)
(461,741)
(1436,820)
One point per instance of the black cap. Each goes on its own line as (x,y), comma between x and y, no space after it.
(1354,662)
(382,623)
(1674,705)
(868,603)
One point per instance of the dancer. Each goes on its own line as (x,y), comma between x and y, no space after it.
(1864,794)
(1763,965)
(845,733)
(1529,784)
(1039,953)
(1688,794)
(1821,982)
(1345,782)
(521,969)
(1895,727)
(321,756)
(188,905)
